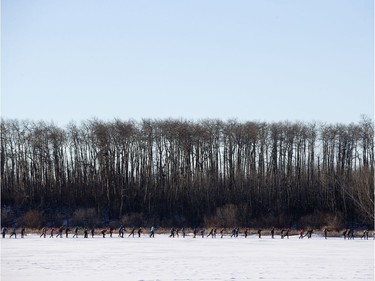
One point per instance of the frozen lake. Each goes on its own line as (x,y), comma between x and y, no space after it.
(163,258)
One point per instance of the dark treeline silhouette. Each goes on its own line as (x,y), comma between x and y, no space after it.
(191,171)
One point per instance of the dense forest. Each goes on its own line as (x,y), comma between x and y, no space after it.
(183,172)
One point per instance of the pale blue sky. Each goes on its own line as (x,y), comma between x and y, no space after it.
(269,60)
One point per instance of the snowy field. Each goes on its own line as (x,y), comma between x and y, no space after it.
(163,258)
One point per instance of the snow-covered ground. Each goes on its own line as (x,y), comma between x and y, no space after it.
(163,258)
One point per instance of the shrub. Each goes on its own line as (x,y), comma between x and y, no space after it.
(225,216)
(319,219)
(85,217)
(33,219)
(132,219)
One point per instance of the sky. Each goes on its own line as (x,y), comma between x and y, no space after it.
(270,60)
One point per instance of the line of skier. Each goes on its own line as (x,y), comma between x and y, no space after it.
(309,233)
(174,232)
(4,231)
(350,234)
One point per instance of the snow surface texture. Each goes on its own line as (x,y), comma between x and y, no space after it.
(163,258)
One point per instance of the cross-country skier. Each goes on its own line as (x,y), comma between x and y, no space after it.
(121,231)
(23,231)
(4,230)
(92,232)
(132,232)
(352,234)
(211,233)
(172,232)
(44,231)
(140,231)
(260,233)
(67,230)
(152,234)
(51,232)
(61,229)
(287,233)
(195,232)
(273,233)
(183,232)
(76,232)
(234,231)
(365,233)
(14,233)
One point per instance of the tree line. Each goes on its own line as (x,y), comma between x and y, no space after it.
(190,171)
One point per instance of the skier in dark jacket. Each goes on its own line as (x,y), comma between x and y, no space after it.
(44,232)
(23,231)
(183,232)
(172,232)
(132,232)
(287,233)
(14,233)
(121,231)
(260,233)
(365,234)
(222,233)
(211,233)
(92,232)
(61,229)
(67,230)
(4,231)
(234,231)
(301,234)
(195,231)
(273,233)
(140,232)
(51,232)
(76,232)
